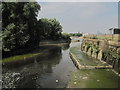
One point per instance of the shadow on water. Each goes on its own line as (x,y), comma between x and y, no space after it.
(48,52)
(66,47)
(40,71)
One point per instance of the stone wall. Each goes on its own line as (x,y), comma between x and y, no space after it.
(114,37)
(102,50)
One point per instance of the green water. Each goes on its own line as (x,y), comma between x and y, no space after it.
(43,71)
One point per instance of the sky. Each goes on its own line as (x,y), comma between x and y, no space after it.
(85,17)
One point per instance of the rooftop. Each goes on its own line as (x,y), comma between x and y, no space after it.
(114,28)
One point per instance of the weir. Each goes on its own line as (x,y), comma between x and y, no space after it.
(79,66)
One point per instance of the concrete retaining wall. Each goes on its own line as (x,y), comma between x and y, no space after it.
(102,50)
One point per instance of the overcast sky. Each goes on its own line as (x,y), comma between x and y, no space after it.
(86,17)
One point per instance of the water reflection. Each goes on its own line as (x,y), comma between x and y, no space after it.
(47,52)
(66,47)
(41,71)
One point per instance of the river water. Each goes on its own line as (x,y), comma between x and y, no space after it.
(51,71)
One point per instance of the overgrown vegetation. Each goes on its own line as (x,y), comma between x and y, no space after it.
(88,45)
(96,48)
(21,29)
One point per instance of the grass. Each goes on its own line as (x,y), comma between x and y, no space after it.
(97,78)
(19,57)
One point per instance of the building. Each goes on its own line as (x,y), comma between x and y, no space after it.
(115,30)
(115,34)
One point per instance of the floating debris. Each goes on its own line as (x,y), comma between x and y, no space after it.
(15,74)
(75,83)
(9,79)
(84,77)
(98,80)
(56,81)
(24,58)
(34,78)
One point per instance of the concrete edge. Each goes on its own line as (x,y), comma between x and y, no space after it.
(79,66)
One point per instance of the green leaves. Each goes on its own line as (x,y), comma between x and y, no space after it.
(50,28)
(31,9)
(65,36)
(76,34)
(19,24)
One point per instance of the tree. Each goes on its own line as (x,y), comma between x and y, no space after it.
(18,21)
(30,11)
(56,29)
(50,29)
(45,28)
(65,36)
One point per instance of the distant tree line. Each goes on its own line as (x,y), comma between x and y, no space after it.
(21,29)
(78,34)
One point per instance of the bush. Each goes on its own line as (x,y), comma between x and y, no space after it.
(66,36)
(94,37)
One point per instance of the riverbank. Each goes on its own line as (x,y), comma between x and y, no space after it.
(42,50)
(91,73)
(84,63)
(82,58)
(31,48)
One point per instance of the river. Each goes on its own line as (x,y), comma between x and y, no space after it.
(51,71)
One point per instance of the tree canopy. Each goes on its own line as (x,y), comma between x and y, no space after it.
(18,24)
(21,29)
(50,28)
